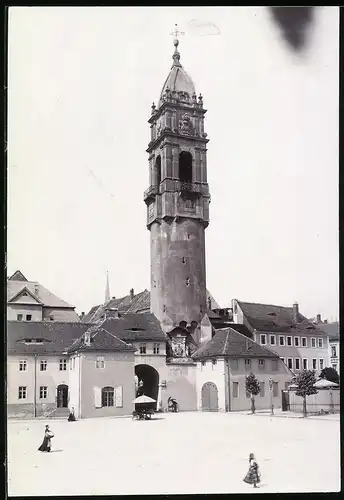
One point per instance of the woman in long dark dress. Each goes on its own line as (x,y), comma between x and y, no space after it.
(46,445)
(253,475)
(71,417)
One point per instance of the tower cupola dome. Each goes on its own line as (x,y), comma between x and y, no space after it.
(178,85)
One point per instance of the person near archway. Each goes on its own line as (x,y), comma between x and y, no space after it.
(46,444)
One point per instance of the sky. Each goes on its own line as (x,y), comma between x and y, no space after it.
(81,82)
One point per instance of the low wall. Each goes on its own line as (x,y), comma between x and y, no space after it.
(316,403)
(26,410)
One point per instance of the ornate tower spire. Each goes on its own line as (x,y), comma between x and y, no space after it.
(178,202)
(107,289)
(176,54)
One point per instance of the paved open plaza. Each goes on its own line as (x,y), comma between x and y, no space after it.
(174,453)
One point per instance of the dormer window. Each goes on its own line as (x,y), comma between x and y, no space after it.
(271,314)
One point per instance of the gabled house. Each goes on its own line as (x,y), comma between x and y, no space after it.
(30,301)
(300,343)
(222,366)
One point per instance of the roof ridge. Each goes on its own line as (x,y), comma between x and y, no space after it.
(115,336)
(226,342)
(261,304)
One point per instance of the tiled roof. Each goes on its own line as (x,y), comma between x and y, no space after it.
(140,303)
(58,336)
(331,329)
(230,343)
(135,327)
(101,340)
(37,290)
(265,317)
(17,276)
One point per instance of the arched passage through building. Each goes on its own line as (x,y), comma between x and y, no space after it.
(210,400)
(148,380)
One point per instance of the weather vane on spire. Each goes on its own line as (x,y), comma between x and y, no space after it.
(177,33)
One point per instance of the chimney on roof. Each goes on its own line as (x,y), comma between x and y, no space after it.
(36,288)
(82,314)
(131,294)
(325,321)
(113,312)
(295,313)
(319,318)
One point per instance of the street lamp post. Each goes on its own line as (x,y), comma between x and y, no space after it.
(271,401)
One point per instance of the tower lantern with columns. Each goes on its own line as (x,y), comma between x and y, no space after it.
(178,202)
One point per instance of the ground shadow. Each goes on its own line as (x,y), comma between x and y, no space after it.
(55,451)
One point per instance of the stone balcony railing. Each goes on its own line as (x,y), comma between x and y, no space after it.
(150,194)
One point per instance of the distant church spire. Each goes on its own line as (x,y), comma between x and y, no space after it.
(107,289)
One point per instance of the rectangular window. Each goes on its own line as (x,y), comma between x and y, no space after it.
(320,343)
(43,366)
(321,364)
(305,364)
(304,341)
(275,389)
(297,341)
(261,364)
(63,365)
(273,339)
(262,389)
(156,348)
(281,340)
(263,339)
(108,396)
(247,364)
(214,361)
(22,365)
(314,364)
(235,389)
(333,351)
(274,365)
(290,363)
(289,341)
(28,317)
(313,342)
(19,317)
(22,393)
(297,363)
(100,362)
(143,348)
(43,392)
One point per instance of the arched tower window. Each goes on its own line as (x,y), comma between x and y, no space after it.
(185,166)
(158,170)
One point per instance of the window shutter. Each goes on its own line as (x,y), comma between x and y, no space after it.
(119,397)
(97,397)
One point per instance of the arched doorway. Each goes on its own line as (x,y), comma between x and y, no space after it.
(62,396)
(210,400)
(148,381)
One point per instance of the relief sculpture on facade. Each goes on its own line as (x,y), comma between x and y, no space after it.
(185,125)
